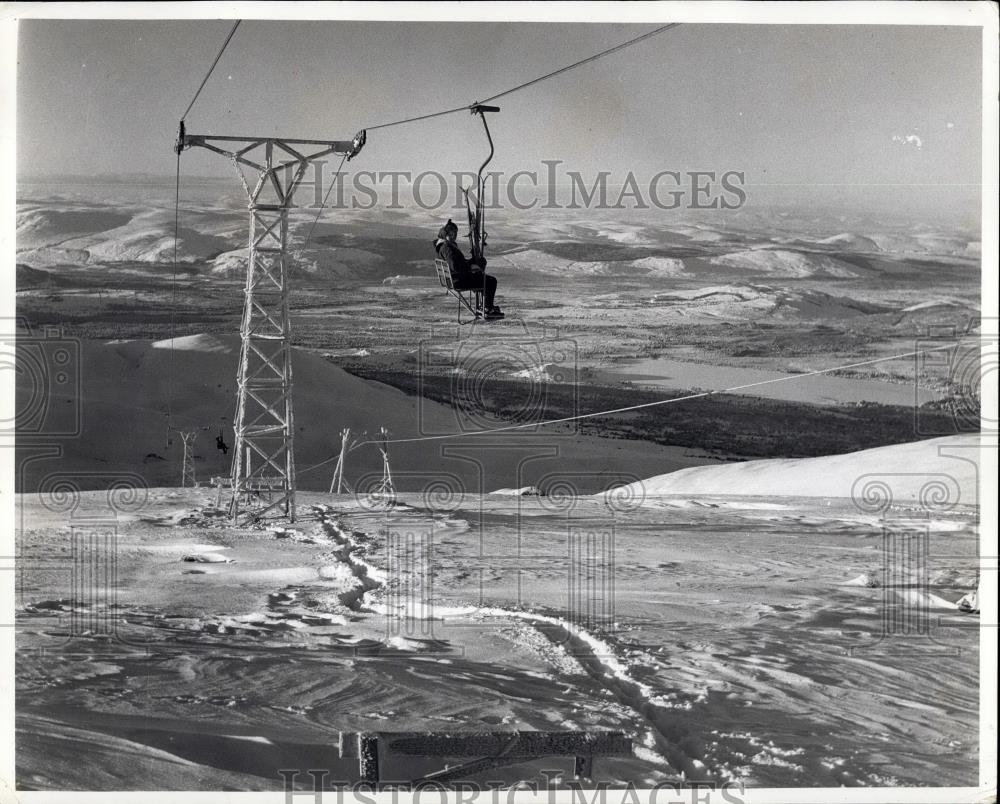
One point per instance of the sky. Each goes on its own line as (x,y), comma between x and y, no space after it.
(803,105)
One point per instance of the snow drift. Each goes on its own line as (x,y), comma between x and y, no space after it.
(908,473)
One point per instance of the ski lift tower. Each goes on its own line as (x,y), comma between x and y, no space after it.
(263,468)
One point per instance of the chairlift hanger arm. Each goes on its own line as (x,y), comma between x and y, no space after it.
(480,109)
(477,220)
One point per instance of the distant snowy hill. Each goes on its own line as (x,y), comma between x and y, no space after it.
(39,226)
(787,264)
(851,241)
(755,301)
(88,235)
(322,261)
(533,260)
(940,243)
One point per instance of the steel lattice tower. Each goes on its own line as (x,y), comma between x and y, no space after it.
(263,467)
(188,478)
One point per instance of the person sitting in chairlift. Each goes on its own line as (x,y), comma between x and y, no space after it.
(467,274)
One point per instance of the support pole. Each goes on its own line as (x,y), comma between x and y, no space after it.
(385,487)
(338,483)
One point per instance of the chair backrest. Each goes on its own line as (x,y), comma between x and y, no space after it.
(444,274)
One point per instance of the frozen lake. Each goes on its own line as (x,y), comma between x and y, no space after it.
(823,389)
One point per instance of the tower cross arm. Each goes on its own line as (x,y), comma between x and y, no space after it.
(238,146)
(340,146)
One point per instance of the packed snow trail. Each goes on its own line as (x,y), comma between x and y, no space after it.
(595,655)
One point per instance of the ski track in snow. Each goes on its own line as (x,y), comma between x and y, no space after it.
(681,718)
(594,654)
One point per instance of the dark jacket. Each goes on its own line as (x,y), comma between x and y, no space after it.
(457,263)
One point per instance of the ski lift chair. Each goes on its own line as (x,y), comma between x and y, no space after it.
(471,299)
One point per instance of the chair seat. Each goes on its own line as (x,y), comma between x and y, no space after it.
(444,274)
(470,298)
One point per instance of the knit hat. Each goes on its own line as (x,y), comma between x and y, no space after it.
(450,226)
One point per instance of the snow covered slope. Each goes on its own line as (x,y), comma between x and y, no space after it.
(932,471)
(126,389)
